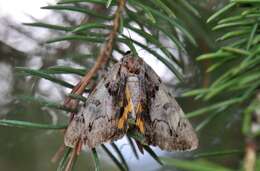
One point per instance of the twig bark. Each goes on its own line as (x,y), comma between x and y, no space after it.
(73,156)
(102,58)
(250,155)
(250,144)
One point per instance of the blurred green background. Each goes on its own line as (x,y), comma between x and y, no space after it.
(22,46)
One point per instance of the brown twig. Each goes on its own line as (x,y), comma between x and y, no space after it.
(58,154)
(251,145)
(102,58)
(250,155)
(73,156)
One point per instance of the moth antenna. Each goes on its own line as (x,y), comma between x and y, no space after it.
(133,48)
(168,47)
(132,44)
(129,35)
(132,41)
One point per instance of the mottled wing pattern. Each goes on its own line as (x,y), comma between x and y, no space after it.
(151,77)
(166,126)
(74,131)
(96,122)
(100,118)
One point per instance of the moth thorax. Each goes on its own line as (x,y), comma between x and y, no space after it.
(134,91)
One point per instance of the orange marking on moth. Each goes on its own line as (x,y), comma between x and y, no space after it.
(139,108)
(127,109)
(139,120)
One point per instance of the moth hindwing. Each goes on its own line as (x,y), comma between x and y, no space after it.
(132,90)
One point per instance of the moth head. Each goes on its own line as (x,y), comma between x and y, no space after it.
(132,63)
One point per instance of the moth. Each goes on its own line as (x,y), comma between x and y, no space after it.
(131,90)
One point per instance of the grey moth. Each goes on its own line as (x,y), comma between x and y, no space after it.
(131,90)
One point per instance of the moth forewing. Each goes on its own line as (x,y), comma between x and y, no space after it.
(168,128)
(96,121)
(74,131)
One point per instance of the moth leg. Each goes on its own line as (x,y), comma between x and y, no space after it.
(128,108)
